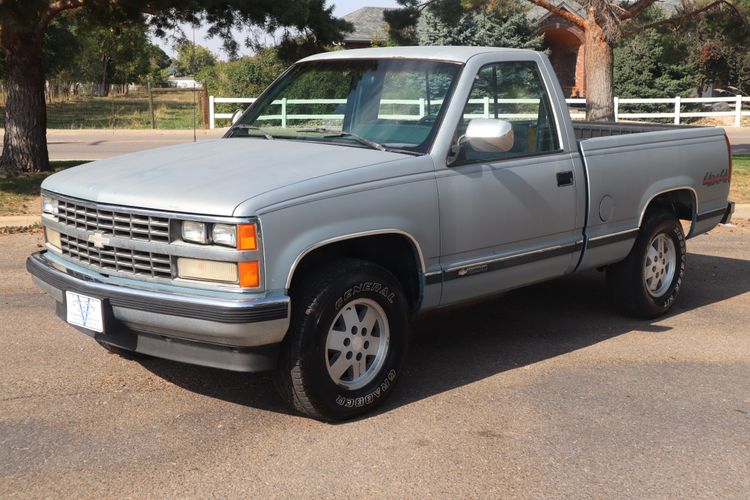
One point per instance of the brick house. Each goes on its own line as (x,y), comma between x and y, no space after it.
(564,42)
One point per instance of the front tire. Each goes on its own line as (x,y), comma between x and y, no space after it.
(647,283)
(347,341)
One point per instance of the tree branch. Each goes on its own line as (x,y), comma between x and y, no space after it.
(53,10)
(423,5)
(60,5)
(636,9)
(685,15)
(568,16)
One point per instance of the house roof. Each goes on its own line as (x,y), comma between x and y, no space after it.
(537,14)
(368,25)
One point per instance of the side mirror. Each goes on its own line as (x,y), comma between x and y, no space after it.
(489,135)
(236,115)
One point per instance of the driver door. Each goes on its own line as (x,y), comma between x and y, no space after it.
(508,218)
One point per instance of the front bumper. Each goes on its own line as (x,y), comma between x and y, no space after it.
(240,334)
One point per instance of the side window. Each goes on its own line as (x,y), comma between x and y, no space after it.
(511,91)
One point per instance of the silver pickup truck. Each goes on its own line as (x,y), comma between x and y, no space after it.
(361,188)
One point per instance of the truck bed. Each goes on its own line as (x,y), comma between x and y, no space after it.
(587,130)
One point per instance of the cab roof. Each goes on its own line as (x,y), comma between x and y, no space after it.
(439,53)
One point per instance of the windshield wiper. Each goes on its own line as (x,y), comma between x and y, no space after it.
(340,133)
(244,126)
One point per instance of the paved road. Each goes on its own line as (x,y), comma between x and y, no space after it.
(99,144)
(544,392)
(740,139)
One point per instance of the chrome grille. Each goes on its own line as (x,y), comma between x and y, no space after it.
(117,259)
(127,225)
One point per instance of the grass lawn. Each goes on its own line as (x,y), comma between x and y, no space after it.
(20,195)
(740,192)
(172,110)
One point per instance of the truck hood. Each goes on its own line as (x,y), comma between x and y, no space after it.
(208,177)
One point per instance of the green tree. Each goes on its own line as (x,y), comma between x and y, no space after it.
(657,63)
(719,47)
(247,76)
(111,54)
(158,62)
(24,23)
(191,60)
(604,24)
(481,27)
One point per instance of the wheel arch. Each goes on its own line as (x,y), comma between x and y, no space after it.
(404,257)
(683,201)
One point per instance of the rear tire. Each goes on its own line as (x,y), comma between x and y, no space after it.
(347,341)
(647,283)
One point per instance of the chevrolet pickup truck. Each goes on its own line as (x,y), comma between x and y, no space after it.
(361,188)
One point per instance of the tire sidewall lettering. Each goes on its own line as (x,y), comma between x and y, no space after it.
(366,286)
(380,391)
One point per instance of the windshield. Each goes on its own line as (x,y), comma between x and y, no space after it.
(387,104)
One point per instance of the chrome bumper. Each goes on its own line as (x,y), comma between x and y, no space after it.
(240,334)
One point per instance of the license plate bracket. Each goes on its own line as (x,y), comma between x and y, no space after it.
(84,311)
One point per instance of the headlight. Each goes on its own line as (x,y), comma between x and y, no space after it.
(241,237)
(224,234)
(194,232)
(49,205)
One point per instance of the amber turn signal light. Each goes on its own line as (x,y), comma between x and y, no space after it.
(247,238)
(249,274)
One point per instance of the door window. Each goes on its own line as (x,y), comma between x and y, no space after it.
(511,91)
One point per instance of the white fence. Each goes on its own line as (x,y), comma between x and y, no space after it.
(735,104)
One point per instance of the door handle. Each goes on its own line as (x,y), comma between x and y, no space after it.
(565,178)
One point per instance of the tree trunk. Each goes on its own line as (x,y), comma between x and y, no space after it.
(600,104)
(25,139)
(104,91)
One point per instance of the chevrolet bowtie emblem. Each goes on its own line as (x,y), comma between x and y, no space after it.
(98,239)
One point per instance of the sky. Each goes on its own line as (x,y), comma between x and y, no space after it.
(340,8)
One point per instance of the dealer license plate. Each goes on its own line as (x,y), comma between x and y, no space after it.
(84,311)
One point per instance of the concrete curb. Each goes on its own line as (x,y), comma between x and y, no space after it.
(742,211)
(20,220)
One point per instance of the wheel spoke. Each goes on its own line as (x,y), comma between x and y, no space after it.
(372,348)
(350,317)
(358,367)
(336,340)
(369,319)
(339,367)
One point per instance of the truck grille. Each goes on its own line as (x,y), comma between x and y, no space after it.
(117,259)
(123,224)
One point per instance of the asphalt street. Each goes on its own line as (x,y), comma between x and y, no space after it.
(543,392)
(100,144)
